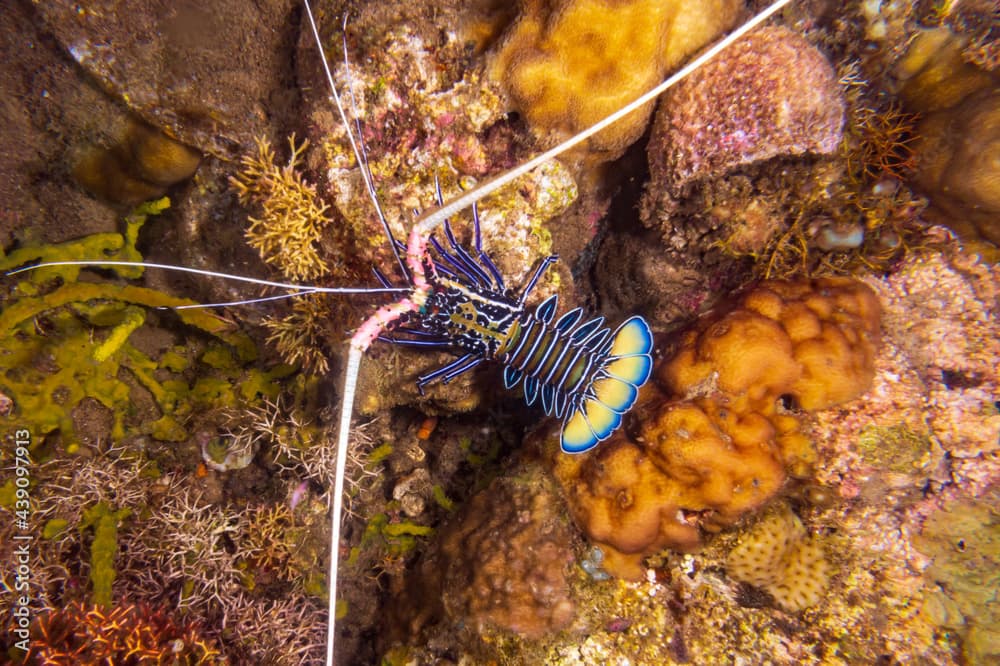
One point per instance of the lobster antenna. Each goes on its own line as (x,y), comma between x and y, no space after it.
(435,216)
(303,288)
(359,153)
(337,510)
(231,304)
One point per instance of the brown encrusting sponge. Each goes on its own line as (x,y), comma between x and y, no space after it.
(716,432)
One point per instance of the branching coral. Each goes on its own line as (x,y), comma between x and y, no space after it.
(124,634)
(714,437)
(288,232)
(881,145)
(300,337)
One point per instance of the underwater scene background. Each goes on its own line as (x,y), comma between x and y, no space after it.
(809,223)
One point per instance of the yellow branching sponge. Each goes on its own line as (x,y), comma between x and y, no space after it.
(712,438)
(288,232)
(778,555)
(568,63)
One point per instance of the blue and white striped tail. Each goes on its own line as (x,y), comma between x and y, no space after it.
(598,409)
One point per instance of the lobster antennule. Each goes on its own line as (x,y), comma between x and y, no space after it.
(613,389)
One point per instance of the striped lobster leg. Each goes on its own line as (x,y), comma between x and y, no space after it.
(581,372)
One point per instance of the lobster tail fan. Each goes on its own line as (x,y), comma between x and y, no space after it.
(613,388)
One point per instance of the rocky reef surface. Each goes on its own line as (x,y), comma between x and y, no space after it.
(812,475)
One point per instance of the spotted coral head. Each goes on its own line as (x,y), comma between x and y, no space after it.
(613,389)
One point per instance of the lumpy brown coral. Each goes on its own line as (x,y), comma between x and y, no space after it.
(568,63)
(502,563)
(714,437)
(770,94)
(958,139)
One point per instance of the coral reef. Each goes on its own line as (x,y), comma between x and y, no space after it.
(426,118)
(734,158)
(905,526)
(772,94)
(778,555)
(565,70)
(76,634)
(958,136)
(715,436)
(900,488)
(963,542)
(501,563)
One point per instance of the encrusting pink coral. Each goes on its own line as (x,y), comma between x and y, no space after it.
(771,94)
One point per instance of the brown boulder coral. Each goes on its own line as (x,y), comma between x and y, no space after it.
(718,195)
(958,139)
(503,563)
(713,437)
(770,94)
(566,64)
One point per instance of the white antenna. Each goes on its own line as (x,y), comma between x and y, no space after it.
(303,288)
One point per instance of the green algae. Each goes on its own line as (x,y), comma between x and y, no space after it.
(896,448)
(54,528)
(442,498)
(380,453)
(394,538)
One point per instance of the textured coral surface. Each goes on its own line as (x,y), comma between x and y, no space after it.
(777,555)
(565,72)
(714,438)
(502,563)
(771,94)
